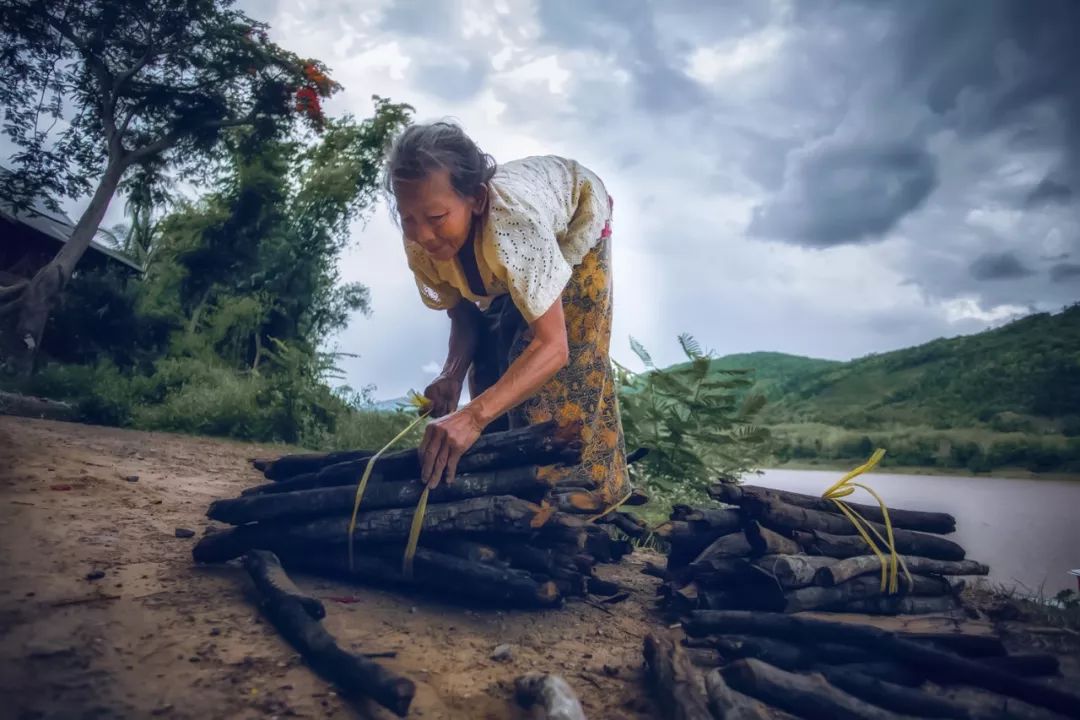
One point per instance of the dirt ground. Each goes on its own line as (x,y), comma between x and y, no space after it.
(157,636)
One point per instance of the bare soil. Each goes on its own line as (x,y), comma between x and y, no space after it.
(156,636)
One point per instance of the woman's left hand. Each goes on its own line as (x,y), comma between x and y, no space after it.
(445,441)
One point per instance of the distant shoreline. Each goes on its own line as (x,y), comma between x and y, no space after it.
(1008,473)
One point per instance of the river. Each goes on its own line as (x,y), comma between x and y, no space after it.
(1027,531)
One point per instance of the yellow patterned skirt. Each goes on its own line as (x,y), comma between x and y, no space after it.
(583,390)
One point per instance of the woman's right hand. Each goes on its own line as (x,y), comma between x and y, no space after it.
(444,392)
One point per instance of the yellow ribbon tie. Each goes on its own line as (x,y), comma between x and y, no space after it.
(420,403)
(844,487)
(414,534)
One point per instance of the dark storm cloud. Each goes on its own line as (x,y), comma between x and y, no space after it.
(426,18)
(1047,192)
(967,67)
(986,65)
(627,32)
(1065,272)
(451,78)
(998,266)
(840,192)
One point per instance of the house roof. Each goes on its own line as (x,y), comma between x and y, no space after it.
(58,226)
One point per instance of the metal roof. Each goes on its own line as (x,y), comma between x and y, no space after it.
(58,226)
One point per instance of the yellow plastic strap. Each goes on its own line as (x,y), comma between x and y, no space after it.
(414,534)
(890,565)
(371,465)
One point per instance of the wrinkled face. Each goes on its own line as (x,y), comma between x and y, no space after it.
(434,215)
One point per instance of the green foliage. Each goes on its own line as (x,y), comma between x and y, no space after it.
(1024,376)
(698,424)
(976,450)
(150,84)
(222,335)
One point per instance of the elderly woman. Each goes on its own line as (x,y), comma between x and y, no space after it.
(519,256)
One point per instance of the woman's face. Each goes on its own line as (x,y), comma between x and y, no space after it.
(434,215)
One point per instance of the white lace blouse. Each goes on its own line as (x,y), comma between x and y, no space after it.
(546,214)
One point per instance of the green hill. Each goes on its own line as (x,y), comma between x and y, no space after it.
(1004,397)
(1026,371)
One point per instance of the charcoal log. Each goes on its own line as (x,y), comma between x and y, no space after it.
(576,502)
(1025,664)
(728,704)
(906,700)
(940,666)
(288,466)
(806,696)
(844,595)
(909,543)
(628,524)
(717,570)
(353,675)
(544,444)
(851,567)
(714,520)
(931,522)
(734,545)
(899,605)
(522,482)
(764,541)
(676,684)
(551,693)
(464,549)
(793,571)
(779,515)
(437,574)
(687,542)
(525,556)
(484,515)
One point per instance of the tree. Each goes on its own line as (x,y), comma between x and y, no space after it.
(150,85)
(696,420)
(254,263)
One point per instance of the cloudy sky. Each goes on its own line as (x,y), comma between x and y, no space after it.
(814,177)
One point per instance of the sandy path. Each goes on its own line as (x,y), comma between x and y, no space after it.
(159,637)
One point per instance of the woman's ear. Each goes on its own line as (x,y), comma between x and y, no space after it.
(480,200)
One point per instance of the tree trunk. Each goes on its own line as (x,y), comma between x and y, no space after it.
(40,296)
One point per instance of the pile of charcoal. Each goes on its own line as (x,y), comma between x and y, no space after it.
(752,664)
(503,533)
(782,551)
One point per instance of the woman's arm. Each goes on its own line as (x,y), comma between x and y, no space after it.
(543,357)
(445,390)
(446,440)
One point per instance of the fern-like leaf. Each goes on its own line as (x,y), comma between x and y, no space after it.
(642,353)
